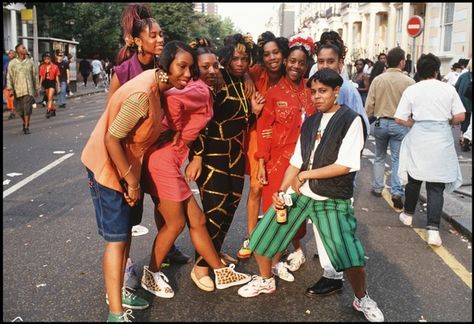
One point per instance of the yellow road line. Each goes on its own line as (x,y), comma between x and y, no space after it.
(447,257)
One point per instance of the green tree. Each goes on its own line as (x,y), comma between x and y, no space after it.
(96,26)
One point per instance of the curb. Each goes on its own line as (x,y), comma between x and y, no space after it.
(459,226)
(38,101)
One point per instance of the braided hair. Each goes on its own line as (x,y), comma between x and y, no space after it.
(237,43)
(202,46)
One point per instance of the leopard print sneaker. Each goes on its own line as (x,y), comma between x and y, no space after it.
(227,277)
(156,283)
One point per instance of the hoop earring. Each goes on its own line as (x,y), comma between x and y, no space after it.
(163,77)
(140,51)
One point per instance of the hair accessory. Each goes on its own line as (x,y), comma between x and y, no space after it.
(307,43)
(248,40)
(163,77)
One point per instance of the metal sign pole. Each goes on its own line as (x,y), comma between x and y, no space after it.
(35,38)
(413,60)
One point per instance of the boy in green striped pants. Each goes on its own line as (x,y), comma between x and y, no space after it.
(320,174)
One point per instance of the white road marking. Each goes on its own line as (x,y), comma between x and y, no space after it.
(35,175)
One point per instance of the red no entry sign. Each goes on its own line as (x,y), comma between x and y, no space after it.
(415,26)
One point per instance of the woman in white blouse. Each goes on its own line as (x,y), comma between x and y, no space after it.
(427,152)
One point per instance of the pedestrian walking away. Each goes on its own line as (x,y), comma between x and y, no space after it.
(427,152)
(384,95)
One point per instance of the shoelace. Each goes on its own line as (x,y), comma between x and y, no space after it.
(126,314)
(368,302)
(162,275)
(256,281)
(129,294)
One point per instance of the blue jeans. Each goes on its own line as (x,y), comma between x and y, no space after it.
(387,133)
(62,94)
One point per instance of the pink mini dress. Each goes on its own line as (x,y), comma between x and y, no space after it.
(188,110)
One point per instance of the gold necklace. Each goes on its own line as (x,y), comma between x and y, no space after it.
(305,98)
(243,101)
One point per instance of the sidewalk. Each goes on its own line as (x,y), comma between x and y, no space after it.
(80,91)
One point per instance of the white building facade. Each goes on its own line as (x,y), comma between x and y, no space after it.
(370,28)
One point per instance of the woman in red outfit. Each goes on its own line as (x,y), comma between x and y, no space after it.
(49,78)
(287,104)
(265,74)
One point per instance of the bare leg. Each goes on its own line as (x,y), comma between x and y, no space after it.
(173,215)
(26,121)
(264,265)
(356,276)
(253,207)
(50,98)
(200,238)
(113,274)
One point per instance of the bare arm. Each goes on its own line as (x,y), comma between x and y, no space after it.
(457,119)
(114,85)
(407,123)
(118,157)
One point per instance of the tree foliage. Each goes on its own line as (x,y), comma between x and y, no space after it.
(96,26)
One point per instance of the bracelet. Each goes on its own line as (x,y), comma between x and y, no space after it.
(134,189)
(128,171)
(297,177)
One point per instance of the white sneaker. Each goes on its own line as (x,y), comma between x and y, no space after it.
(156,283)
(295,260)
(369,307)
(257,286)
(434,238)
(405,219)
(280,270)
(130,277)
(227,277)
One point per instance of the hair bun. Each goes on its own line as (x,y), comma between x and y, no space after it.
(200,42)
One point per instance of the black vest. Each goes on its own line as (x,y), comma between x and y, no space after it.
(328,150)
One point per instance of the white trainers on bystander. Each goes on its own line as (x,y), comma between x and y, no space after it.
(434,238)
(405,219)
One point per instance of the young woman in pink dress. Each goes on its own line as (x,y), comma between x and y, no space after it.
(188,111)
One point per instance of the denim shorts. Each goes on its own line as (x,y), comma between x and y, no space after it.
(114,216)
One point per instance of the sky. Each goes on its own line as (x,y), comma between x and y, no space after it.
(248,16)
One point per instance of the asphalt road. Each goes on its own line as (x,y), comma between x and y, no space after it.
(52,253)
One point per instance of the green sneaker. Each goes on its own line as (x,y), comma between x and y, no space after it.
(120,317)
(130,300)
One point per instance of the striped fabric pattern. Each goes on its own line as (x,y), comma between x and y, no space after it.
(334,219)
(132,110)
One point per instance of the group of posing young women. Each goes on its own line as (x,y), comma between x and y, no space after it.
(247,103)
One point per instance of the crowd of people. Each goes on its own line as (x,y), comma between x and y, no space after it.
(296,126)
